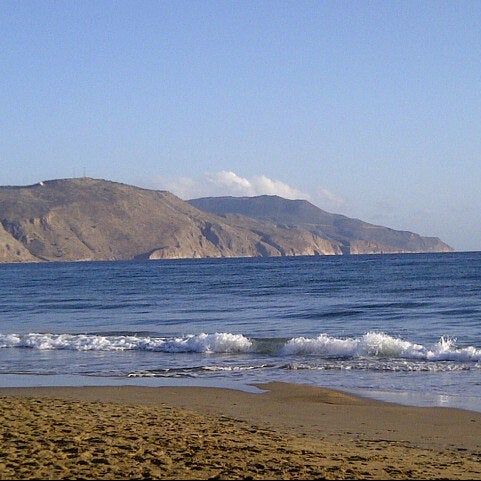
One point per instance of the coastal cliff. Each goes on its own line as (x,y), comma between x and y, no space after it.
(351,236)
(92,219)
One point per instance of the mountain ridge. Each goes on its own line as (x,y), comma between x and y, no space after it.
(95,219)
(352,233)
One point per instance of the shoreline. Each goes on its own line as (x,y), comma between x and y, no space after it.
(402,398)
(292,407)
(288,431)
(140,259)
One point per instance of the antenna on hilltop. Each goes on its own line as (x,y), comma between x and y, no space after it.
(84,172)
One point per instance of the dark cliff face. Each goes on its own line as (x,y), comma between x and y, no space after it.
(352,235)
(90,219)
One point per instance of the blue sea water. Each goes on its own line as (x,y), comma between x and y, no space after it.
(405,327)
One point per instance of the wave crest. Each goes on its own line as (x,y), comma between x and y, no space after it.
(379,345)
(201,343)
(375,345)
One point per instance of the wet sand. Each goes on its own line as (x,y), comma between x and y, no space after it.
(287,432)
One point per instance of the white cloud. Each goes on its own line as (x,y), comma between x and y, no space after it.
(181,186)
(229,183)
(265,185)
(330,198)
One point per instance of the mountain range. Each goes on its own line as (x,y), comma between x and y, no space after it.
(91,219)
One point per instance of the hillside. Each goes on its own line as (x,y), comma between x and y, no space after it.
(91,219)
(352,235)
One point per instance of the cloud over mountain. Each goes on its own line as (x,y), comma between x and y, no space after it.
(227,182)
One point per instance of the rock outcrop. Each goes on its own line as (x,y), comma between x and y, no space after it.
(11,250)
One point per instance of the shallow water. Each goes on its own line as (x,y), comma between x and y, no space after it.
(396,327)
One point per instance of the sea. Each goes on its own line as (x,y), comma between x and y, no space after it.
(403,328)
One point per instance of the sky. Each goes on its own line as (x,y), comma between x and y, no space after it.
(371,109)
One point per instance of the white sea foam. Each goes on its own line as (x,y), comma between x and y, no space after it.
(371,345)
(193,371)
(380,345)
(202,343)
(390,365)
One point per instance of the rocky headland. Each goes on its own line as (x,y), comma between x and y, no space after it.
(91,219)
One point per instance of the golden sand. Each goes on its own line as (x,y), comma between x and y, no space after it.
(199,433)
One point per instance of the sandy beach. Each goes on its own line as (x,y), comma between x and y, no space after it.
(286,432)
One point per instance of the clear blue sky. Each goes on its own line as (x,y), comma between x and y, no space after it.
(371,109)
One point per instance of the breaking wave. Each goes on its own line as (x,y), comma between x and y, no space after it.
(201,343)
(376,345)
(380,345)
